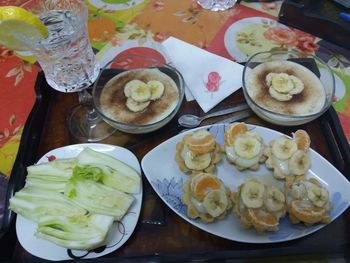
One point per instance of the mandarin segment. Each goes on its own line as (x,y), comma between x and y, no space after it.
(262,220)
(302,140)
(201,142)
(233,131)
(307,212)
(203,183)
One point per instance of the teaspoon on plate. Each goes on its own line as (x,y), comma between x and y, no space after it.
(192,121)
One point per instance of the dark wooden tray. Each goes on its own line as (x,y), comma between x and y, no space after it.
(161,235)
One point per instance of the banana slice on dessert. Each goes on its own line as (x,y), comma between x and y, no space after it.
(280,82)
(318,196)
(274,199)
(243,148)
(156,88)
(299,163)
(206,197)
(133,83)
(215,202)
(198,152)
(283,148)
(136,106)
(140,93)
(298,85)
(247,146)
(283,86)
(289,156)
(308,201)
(252,194)
(259,205)
(197,161)
(279,95)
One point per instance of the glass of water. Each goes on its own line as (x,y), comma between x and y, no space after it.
(216,5)
(68,61)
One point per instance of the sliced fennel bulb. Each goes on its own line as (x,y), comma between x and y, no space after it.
(119,175)
(83,232)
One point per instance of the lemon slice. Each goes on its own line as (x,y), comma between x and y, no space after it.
(16,20)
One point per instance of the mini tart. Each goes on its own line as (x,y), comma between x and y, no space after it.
(259,206)
(289,157)
(243,148)
(307,201)
(206,197)
(198,152)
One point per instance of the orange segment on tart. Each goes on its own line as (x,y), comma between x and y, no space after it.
(233,132)
(203,183)
(201,142)
(262,220)
(307,212)
(302,140)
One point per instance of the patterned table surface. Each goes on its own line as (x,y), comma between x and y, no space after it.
(118,25)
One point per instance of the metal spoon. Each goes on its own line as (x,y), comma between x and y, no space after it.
(192,121)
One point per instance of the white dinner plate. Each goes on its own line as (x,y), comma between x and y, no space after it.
(166,178)
(239,26)
(120,232)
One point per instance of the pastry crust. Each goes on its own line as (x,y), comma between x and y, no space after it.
(213,149)
(301,208)
(193,212)
(258,218)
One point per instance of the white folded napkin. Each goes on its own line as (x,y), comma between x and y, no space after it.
(209,77)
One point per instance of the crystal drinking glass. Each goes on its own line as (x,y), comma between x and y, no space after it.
(68,61)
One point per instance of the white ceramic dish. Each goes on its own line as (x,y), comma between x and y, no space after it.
(119,233)
(163,173)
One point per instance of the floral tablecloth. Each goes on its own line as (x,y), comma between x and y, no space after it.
(116,26)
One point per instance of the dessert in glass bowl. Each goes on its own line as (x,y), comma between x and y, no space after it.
(287,87)
(137,94)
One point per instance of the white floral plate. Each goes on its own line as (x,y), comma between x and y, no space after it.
(120,232)
(163,173)
(230,37)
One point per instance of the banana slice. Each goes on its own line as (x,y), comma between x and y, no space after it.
(157,89)
(279,95)
(318,195)
(140,93)
(281,82)
(215,202)
(133,83)
(298,191)
(274,199)
(298,85)
(299,163)
(136,106)
(247,147)
(283,148)
(252,194)
(197,161)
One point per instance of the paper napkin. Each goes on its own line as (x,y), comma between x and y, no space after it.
(209,77)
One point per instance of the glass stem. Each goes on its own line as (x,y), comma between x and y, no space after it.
(85,99)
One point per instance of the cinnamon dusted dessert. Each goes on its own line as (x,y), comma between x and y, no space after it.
(139,96)
(286,87)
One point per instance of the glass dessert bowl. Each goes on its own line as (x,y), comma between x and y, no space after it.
(287,88)
(138,94)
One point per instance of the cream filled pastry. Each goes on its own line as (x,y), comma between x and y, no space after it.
(243,148)
(259,205)
(289,156)
(307,201)
(206,197)
(198,152)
